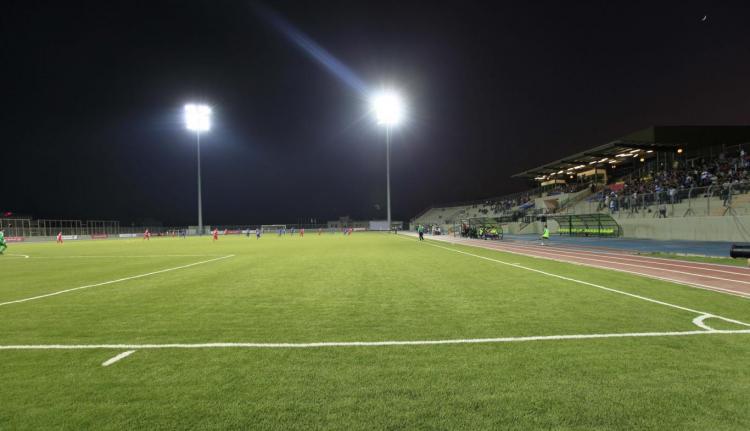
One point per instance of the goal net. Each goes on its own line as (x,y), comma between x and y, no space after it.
(272,227)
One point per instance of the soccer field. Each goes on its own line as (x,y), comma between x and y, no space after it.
(371,331)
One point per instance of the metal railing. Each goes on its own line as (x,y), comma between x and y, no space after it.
(714,200)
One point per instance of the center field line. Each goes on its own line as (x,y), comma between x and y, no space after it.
(367,343)
(586,283)
(119,280)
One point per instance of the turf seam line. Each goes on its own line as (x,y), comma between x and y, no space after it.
(586,283)
(369,343)
(119,280)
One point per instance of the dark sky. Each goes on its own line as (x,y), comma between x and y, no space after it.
(93,92)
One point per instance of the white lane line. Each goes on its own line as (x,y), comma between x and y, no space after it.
(705,266)
(368,343)
(586,283)
(122,355)
(119,280)
(25,256)
(539,254)
(576,255)
(726,267)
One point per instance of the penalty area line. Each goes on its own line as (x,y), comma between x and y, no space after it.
(119,280)
(134,347)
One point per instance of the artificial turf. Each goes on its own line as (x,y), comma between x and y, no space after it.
(367,287)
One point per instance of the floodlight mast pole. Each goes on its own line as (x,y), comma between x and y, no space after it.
(388,172)
(200,202)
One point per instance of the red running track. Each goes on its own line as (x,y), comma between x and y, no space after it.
(721,278)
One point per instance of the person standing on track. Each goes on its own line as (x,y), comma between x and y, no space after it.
(420,231)
(545,235)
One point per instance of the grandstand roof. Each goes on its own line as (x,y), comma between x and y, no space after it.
(643,142)
(595,157)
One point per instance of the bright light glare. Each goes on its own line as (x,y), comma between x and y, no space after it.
(388,108)
(198,117)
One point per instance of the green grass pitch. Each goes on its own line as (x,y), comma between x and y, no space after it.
(365,288)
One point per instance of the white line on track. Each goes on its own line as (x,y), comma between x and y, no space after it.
(638,254)
(540,254)
(582,256)
(586,283)
(122,355)
(368,343)
(119,280)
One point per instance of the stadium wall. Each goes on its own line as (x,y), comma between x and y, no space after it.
(726,228)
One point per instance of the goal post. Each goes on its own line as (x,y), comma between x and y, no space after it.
(272,227)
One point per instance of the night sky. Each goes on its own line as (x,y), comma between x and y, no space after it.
(93,92)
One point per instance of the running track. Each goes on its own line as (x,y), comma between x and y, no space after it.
(722,278)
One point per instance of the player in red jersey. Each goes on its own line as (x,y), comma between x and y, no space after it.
(301,232)
(147,235)
(216,234)
(59,238)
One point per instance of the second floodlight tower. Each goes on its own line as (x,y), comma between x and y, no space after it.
(198,120)
(389,112)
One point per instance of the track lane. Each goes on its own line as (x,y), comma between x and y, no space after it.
(725,279)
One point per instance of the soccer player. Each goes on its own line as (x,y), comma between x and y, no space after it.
(3,246)
(320,231)
(257,233)
(301,232)
(420,230)
(147,235)
(59,238)
(216,234)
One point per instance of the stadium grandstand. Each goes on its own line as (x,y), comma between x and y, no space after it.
(663,182)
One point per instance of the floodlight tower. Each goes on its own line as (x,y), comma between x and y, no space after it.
(198,119)
(389,112)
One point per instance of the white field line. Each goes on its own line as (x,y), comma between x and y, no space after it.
(698,321)
(578,255)
(25,256)
(541,255)
(367,343)
(586,283)
(117,257)
(740,270)
(547,255)
(705,266)
(122,355)
(119,280)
